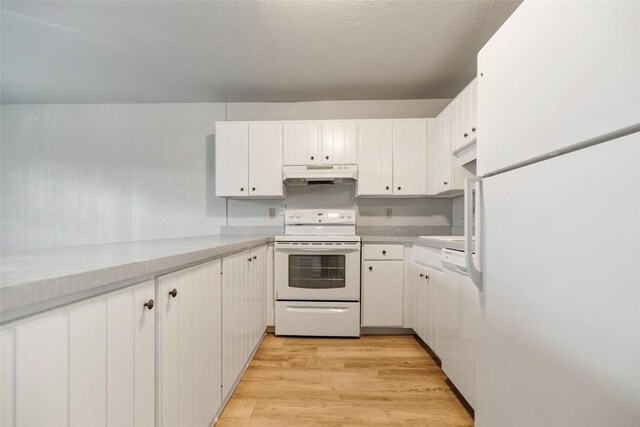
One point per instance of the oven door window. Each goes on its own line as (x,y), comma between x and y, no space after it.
(317,271)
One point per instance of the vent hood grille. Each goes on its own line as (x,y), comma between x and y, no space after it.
(319,175)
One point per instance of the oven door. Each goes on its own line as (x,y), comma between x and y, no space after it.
(317,271)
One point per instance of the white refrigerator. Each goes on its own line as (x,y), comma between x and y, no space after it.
(557,260)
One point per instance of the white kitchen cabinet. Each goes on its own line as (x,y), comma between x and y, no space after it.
(425,304)
(90,363)
(464,110)
(87,364)
(265,159)
(338,142)
(410,157)
(232,159)
(382,293)
(249,159)
(439,157)
(446,174)
(190,343)
(42,377)
(131,368)
(375,158)
(243,311)
(320,142)
(301,143)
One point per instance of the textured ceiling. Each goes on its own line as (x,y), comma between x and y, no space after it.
(184,51)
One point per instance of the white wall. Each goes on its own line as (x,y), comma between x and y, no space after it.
(99,173)
(84,174)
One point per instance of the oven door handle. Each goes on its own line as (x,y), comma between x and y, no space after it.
(316,309)
(300,248)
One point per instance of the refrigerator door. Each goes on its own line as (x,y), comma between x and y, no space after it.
(558,339)
(557,74)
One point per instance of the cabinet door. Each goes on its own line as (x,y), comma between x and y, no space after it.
(433,278)
(382,293)
(98,367)
(232,159)
(183,343)
(265,159)
(301,143)
(410,157)
(88,364)
(212,351)
(42,371)
(438,151)
(338,143)
(473,110)
(234,269)
(131,357)
(375,158)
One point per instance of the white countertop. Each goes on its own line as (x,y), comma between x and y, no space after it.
(35,280)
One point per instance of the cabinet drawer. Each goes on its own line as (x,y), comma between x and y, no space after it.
(383,252)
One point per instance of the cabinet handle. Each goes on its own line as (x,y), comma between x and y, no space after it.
(370,268)
(255,257)
(326,157)
(473,129)
(446,183)
(149,304)
(249,259)
(421,275)
(241,188)
(312,157)
(173,292)
(466,134)
(399,188)
(387,187)
(384,252)
(426,277)
(253,188)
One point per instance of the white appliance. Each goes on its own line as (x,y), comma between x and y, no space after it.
(557,223)
(317,274)
(319,174)
(459,311)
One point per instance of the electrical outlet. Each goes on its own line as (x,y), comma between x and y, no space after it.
(272,212)
(388,213)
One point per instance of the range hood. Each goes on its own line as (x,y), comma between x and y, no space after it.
(319,174)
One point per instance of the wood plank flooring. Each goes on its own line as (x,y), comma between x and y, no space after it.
(374,380)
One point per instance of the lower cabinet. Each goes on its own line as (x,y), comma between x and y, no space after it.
(382,293)
(190,353)
(151,354)
(426,281)
(90,363)
(244,283)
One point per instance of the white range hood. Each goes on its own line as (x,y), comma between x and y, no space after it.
(319,174)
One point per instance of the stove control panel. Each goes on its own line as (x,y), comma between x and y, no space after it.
(320,216)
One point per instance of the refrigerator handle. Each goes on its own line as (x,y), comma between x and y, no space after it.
(474,271)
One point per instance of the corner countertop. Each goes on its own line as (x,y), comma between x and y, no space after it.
(36,280)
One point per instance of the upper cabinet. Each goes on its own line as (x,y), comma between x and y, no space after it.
(265,159)
(464,114)
(302,143)
(410,157)
(392,158)
(446,173)
(249,159)
(315,143)
(375,160)
(338,142)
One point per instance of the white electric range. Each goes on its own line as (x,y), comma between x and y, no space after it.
(317,274)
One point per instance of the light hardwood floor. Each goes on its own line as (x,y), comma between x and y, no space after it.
(374,380)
